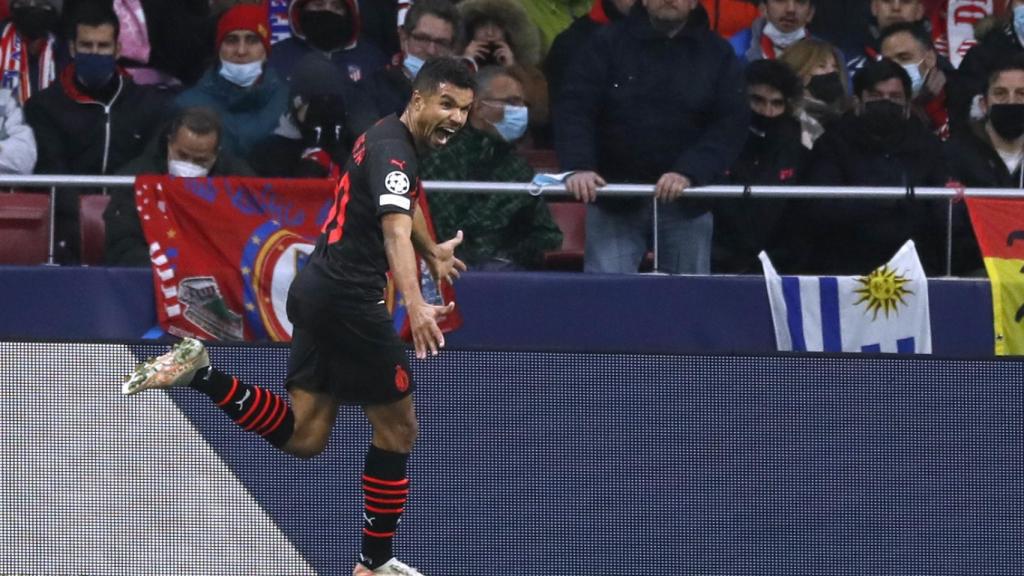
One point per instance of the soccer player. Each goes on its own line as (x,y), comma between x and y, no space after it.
(344,347)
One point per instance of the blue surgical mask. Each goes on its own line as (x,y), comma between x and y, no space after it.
(243,75)
(94,70)
(513,124)
(916,78)
(1018,20)
(412,64)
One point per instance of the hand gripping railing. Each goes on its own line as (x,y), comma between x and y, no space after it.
(53,182)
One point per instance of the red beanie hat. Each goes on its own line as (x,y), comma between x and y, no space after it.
(251,17)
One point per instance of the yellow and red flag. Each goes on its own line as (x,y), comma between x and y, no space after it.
(999,228)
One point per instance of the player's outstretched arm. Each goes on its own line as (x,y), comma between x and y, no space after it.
(441,259)
(426,335)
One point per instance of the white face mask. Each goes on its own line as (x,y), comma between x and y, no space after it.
(783,39)
(243,75)
(916,78)
(184,169)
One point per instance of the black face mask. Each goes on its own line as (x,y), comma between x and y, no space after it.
(33,22)
(324,124)
(1007,120)
(770,126)
(826,87)
(325,30)
(884,119)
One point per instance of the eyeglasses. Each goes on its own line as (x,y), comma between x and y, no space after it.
(440,43)
(514,101)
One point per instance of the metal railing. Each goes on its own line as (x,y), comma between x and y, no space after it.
(54,182)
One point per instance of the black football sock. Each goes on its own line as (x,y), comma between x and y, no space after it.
(255,409)
(385,491)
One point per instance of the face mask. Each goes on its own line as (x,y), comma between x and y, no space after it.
(916,78)
(243,75)
(412,64)
(783,39)
(769,126)
(513,124)
(884,119)
(33,22)
(1018,20)
(826,87)
(94,70)
(183,169)
(1007,120)
(325,30)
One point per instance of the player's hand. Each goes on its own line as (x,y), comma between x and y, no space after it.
(671,186)
(444,265)
(583,185)
(426,335)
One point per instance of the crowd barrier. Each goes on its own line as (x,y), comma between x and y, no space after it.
(529,464)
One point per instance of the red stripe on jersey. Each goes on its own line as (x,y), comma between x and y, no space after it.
(335,224)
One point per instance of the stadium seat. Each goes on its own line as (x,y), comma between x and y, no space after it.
(24,228)
(92,228)
(571,218)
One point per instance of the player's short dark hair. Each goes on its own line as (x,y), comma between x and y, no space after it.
(93,14)
(876,71)
(437,71)
(442,9)
(915,29)
(776,75)
(1015,62)
(197,119)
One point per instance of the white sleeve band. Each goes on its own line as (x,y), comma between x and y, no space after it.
(395,200)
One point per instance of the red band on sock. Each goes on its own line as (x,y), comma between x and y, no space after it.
(280,419)
(252,409)
(385,500)
(231,394)
(378,534)
(270,417)
(269,400)
(402,482)
(388,492)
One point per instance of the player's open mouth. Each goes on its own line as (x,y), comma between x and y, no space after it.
(442,134)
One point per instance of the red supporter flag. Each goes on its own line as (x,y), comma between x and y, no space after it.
(224,252)
(999,228)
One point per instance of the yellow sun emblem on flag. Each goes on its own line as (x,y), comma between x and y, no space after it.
(883,290)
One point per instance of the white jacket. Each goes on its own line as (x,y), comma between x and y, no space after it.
(17,142)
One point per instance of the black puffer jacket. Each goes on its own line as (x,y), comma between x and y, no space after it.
(847,236)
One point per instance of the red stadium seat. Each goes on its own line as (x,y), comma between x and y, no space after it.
(24,228)
(92,228)
(571,218)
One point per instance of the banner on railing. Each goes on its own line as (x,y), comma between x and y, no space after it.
(885,311)
(999,228)
(224,252)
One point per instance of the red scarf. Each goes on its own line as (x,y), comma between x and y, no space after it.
(14,63)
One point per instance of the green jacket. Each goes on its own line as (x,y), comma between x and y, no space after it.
(498,227)
(553,16)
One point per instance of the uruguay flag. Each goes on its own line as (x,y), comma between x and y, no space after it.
(885,311)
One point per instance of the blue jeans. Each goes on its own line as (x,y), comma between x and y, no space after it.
(618,239)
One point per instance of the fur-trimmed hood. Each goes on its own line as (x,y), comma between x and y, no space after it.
(522,34)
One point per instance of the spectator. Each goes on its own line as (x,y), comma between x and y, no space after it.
(166,41)
(729,17)
(17,142)
(819,65)
(843,23)
(1003,43)
(315,135)
(552,18)
(189,148)
(332,28)
(772,155)
(988,154)
(29,48)
(886,13)
(428,32)
(656,98)
(500,32)
(879,143)
(503,232)
(94,119)
(931,76)
(247,94)
(568,43)
(782,24)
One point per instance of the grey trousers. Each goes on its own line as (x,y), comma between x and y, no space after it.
(617,240)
